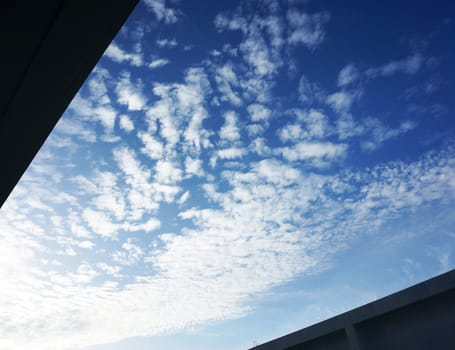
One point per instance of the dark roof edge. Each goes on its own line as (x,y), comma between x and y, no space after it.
(416,293)
(50,49)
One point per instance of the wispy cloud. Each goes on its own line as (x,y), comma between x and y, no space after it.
(258,236)
(116,54)
(228,82)
(167,42)
(160,62)
(410,65)
(161,11)
(341,101)
(307,29)
(237,22)
(309,125)
(309,91)
(257,54)
(75,127)
(380,133)
(348,75)
(180,112)
(138,178)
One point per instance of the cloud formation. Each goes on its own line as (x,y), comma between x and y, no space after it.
(177,201)
(161,11)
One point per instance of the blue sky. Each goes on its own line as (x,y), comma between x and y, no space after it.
(234,171)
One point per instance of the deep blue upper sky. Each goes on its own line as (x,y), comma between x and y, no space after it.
(233,171)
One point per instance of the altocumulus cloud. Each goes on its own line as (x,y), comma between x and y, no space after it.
(158,205)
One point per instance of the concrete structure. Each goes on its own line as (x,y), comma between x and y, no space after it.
(48,48)
(419,317)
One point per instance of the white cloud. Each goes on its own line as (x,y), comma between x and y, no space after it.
(379,133)
(317,123)
(235,23)
(258,112)
(348,75)
(68,238)
(149,225)
(100,223)
(85,274)
(126,123)
(167,172)
(264,231)
(258,88)
(109,198)
(231,153)
(180,110)
(346,127)
(340,101)
(230,131)
(107,116)
(274,27)
(311,124)
(140,192)
(273,171)
(79,230)
(86,244)
(193,167)
(183,198)
(162,13)
(162,112)
(410,65)
(97,87)
(291,132)
(166,43)
(215,53)
(130,94)
(191,95)
(109,269)
(316,152)
(255,129)
(228,81)
(96,107)
(116,54)
(74,127)
(195,135)
(259,146)
(262,58)
(310,92)
(159,62)
(129,255)
(152,147)
(257,55)
(166,193)
(307,29)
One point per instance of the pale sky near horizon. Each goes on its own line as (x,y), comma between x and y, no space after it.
(232,171)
